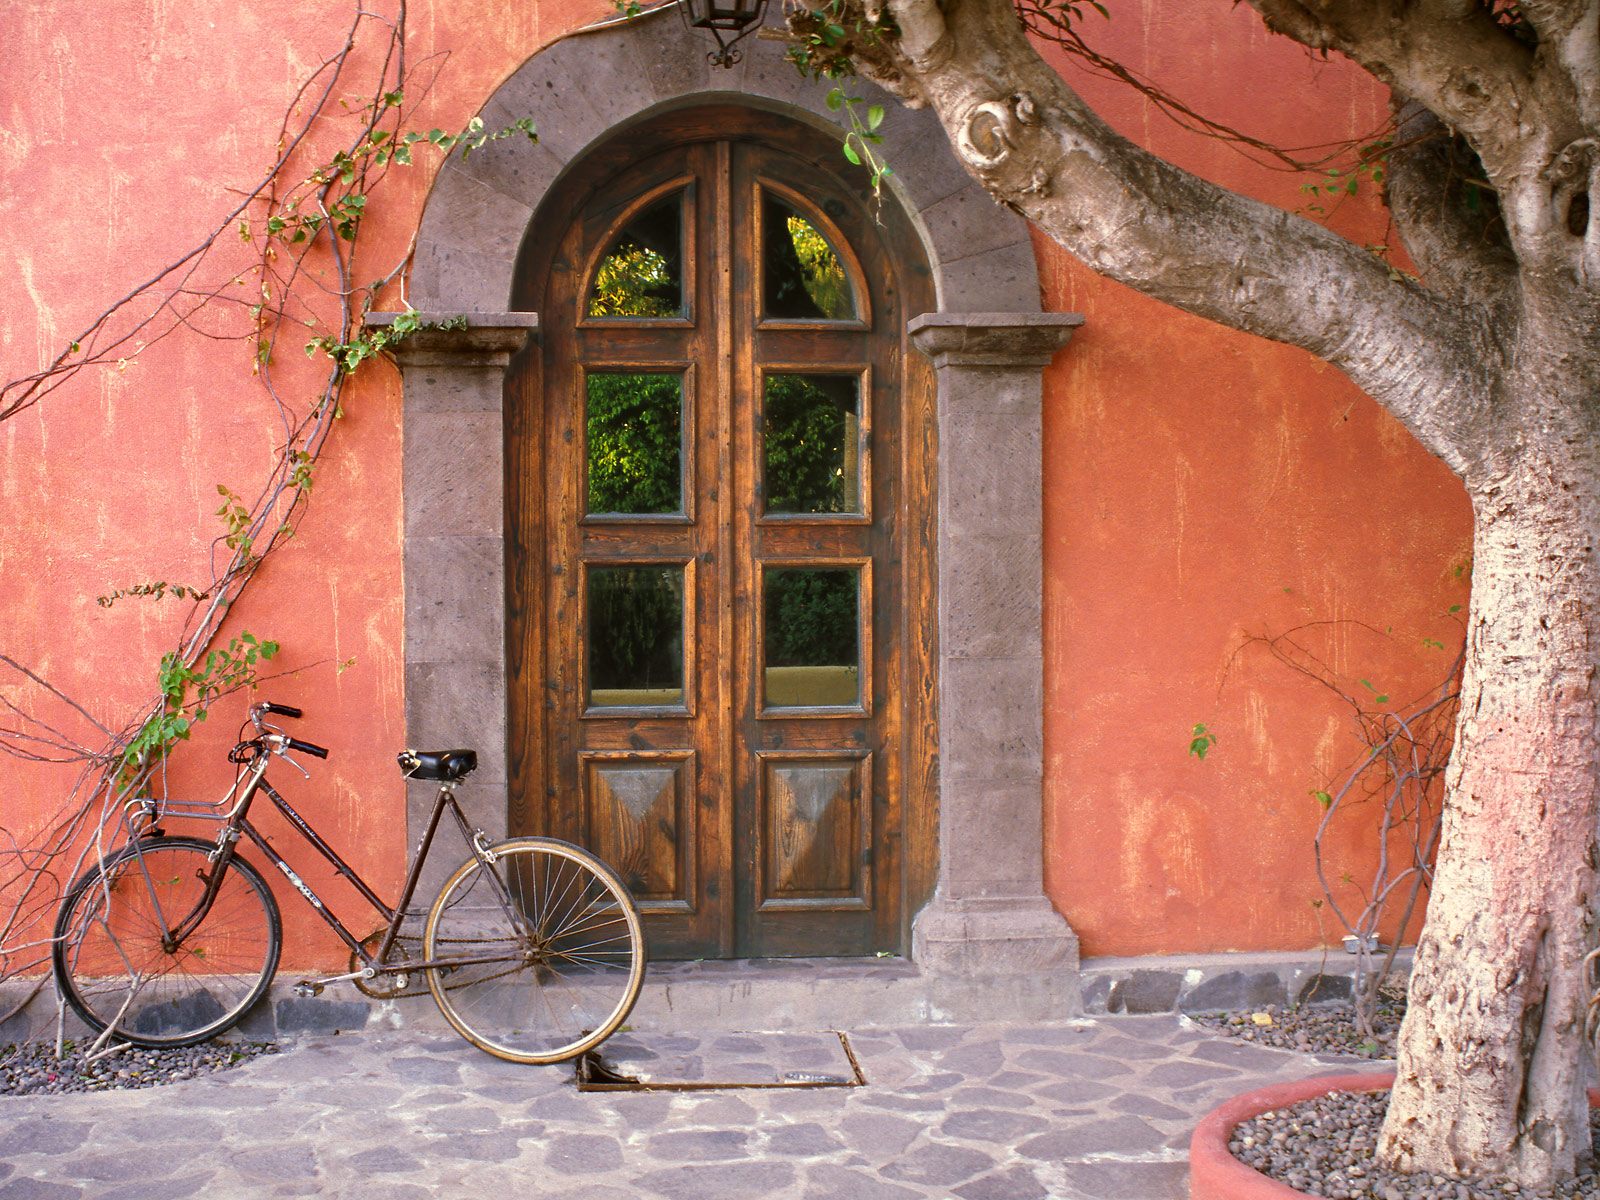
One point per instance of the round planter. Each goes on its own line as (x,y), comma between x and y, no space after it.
(1215,1174)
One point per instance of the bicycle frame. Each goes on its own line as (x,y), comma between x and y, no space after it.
(237,821)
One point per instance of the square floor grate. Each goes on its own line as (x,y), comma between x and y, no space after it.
(634,1062)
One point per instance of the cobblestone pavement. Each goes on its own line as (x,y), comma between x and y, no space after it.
(1087,1110)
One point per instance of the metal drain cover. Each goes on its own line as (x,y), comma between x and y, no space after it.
(642,1062)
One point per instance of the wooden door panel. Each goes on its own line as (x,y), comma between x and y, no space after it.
(816,832)
(641,810)
(752,811)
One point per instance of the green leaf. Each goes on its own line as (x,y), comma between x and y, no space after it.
(835,99)
(1323,798)
(850,153)
(874,116)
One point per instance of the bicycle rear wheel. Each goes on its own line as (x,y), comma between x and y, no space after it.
(548,949)
(116,965)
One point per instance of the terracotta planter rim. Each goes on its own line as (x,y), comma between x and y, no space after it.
(1215,1174)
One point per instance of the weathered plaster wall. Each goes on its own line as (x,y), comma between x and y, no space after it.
(1192,475)
(1200,486)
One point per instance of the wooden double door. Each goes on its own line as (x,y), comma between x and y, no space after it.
(720,624)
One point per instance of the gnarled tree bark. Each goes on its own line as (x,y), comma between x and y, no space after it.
(1492,360)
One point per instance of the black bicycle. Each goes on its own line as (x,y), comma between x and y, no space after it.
(533,949)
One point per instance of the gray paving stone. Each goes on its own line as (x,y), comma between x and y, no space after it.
(1118,1181)
(426,1069)
(478,1147)
(809,1140)
(991,1125)
(271,1164)
(1014,1183)
(1118,1135)
(1076,1091)
(989,1097)
(160,1189)
(1149,1106)
(828,1182)
(1234,1053)
(42,1135)
(940,1165)
(699,1145)
(719,1181)
(1070,1064)
(1135,1049)
(383,1160)
(582,1153)
(878,1135)
(37,1189)
(1182,1074)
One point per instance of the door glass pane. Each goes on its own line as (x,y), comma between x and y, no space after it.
(635,635)
(641,274)
(812,637)
(802,276)
(633,427)
(811,443)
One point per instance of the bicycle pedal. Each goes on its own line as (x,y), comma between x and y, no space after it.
(306,989)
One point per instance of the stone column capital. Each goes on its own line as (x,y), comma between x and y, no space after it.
(992,339)
(479,339)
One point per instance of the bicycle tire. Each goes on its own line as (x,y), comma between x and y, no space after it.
(112,968)
(569,960)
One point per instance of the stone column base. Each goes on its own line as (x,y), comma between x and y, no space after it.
(1007,935)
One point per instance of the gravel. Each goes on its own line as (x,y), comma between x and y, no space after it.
(32,1068)
(1313,1029)
(1324,1147)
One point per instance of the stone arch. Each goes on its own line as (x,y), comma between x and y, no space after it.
(480,206)
(989,344)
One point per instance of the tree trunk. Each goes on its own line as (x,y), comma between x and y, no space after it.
(1490,1077)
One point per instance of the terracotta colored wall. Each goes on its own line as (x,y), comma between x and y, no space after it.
(1193,475)
(1203,485)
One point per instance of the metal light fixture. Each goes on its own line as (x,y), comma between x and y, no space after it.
(723,18)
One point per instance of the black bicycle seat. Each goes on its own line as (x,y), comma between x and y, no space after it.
(446,766)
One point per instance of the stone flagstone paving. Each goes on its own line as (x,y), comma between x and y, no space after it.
(1086,1110)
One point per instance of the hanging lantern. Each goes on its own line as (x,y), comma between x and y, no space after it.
(728,20)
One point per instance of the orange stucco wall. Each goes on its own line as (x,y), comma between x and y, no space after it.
(1200,485)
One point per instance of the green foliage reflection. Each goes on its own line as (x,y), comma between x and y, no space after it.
(641,274)
(811,439)
(633,425)
(804,279)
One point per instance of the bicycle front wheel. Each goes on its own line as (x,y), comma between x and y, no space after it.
(117,963)
(539,955)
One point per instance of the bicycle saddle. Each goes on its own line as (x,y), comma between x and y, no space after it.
(444,765)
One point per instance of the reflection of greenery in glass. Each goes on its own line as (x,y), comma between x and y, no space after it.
(636,634)
(633,425)
(804,279)
(641,274)
(811,440)
(811,617)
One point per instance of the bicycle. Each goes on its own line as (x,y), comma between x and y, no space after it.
(533,949)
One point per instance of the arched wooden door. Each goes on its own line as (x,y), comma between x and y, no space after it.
(719,488)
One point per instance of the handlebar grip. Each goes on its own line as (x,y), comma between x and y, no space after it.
(307,747)
(283,710)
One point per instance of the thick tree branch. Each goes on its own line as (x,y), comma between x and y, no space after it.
(1034,144)
(1448,220)
(1449,54)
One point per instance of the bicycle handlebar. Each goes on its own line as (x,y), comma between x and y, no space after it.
(306,747)
(283,710)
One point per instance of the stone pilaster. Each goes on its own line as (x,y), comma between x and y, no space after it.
(454,481)
(989,915)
